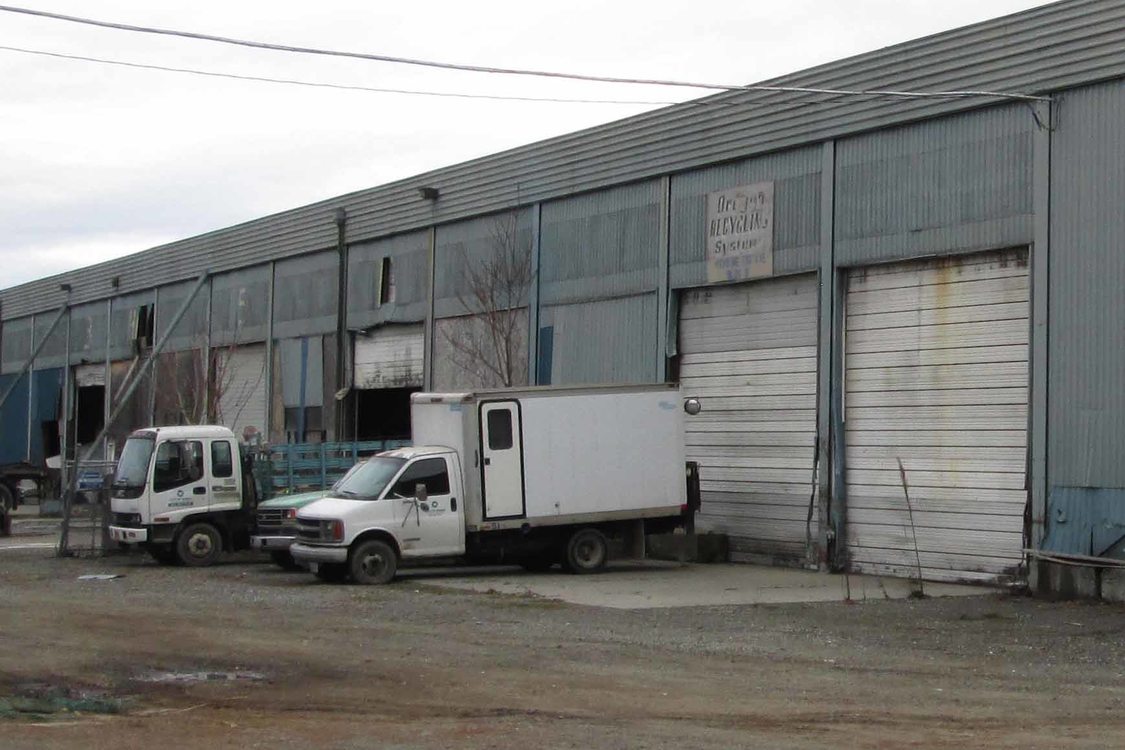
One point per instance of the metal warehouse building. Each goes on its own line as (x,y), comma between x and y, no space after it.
(849,284)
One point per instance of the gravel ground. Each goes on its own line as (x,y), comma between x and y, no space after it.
(245,655)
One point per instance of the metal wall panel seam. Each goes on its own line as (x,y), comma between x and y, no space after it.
(664,255)
(428,344)
(269,352)
(825,352)
(533,296)
(30,393)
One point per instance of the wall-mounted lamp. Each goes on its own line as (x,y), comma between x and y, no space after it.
(115,282)
(429,193)
(64,288)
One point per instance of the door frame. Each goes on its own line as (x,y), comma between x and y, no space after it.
(517,440)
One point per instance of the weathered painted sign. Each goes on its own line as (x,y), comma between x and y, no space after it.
(740,232)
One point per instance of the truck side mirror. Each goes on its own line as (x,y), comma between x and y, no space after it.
(420,493)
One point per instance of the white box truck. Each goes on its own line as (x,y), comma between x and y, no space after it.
(536,476)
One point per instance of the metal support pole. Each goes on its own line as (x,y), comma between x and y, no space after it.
(533,295)
(30,395)
(64,420)
(137,378)
(155,370)
(663,287)
(35,353)
(428,345)
(341,413)
(268,438)
(107,398)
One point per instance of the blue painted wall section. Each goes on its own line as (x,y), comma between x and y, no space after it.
(1085,521)
(45,407)
(13,417)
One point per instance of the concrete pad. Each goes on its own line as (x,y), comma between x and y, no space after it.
(653,584)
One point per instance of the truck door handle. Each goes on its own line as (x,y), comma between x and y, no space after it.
(199,491)
(453,503)
(488,462)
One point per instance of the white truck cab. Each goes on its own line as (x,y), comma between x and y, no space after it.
(535,476)
(182,493)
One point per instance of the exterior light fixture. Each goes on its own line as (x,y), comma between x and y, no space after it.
(429,193)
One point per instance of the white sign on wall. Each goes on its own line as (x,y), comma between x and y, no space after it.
(740,232)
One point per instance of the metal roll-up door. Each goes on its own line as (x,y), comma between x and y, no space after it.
(748,352)
(390,357)
(936,357)
(242,396)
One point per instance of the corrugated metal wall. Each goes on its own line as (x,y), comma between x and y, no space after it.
(15,345)
(475,244)
(598,276)
(1059,45)
(304,298)
(1087,305)
(13,417)
(123,325)
(191,331)
(796,178)
(607,341)
(455,339)
(410,265)
(957,184)
(53,353)
(87,333)
(240,306)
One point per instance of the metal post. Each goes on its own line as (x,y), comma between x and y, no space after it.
(269,355)
(428,345)
(663,290)
(31,392)
(533,295)
(827,352)
(340,410)
(107,398)
(64,421)
(137,378)
(205,356)
(155,370)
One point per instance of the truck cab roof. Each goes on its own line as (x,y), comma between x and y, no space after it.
(185,432)
(415,451)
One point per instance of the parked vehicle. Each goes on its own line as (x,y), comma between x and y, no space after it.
(536,476)
(185,494)
(276,527)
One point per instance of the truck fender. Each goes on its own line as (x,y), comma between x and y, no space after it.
(220,526)
(382,534)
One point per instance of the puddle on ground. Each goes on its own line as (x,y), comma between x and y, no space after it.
(180,678)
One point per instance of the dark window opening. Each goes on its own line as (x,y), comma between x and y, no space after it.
(500,430)
(383,413)
(90,413)
(145,323)
(386,282)
(430,472)
(52,445)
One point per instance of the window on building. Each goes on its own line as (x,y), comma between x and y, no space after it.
(386,282)
(143,326)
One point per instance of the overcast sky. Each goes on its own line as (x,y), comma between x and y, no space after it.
(101,161)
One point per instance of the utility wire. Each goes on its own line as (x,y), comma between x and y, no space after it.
(316,84)
(514,71)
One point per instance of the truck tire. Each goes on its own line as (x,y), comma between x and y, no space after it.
(587,551)
(285,561)
(199,544)
(373,561)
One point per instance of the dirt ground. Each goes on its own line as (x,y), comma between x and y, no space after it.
(244,656)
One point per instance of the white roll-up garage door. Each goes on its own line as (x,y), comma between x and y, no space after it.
(390,357)
(242,398)
(936,356)
(748,351)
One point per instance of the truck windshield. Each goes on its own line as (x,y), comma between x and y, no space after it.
(132,467)
(367,480)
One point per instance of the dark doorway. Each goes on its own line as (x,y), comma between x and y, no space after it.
(383,413)
(90,413)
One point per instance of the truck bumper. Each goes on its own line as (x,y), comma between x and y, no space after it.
(128,534)
(305,553)
(271,543)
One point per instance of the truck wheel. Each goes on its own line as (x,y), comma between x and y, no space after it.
(331,572)
(285,561)
(199,544)
(587,551)
(373,561)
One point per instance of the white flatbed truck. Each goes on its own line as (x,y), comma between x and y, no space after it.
(535,476)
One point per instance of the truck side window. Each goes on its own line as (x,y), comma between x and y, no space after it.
(222,464)
(177,463)
(428,471)
(499,430)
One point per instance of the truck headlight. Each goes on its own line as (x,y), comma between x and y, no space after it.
(336,531)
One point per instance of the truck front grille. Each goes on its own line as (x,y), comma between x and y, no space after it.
(272,519)
(126,519)
(309,531)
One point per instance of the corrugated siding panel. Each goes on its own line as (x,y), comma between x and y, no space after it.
(191,331)
(610,341)
(390,357)
(600,245)
(464,352)
(124,323)
(1087,261)
(748,352)
(796,178)
(410,259)
(240,306)
(936,358)
(15,344)
(302,371)
(304,299)
(53,354)
(242,402)
(959,183)
(473,246)
(1062,45)
(13,416)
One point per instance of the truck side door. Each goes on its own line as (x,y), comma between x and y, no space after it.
(501,459)
(432,526)
(226,492)
(179,482)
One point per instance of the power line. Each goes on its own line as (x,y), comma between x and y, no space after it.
(514,71)
(316,84)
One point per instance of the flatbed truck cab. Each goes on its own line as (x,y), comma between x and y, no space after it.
(185,494)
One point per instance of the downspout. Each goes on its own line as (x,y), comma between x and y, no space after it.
(340,407)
